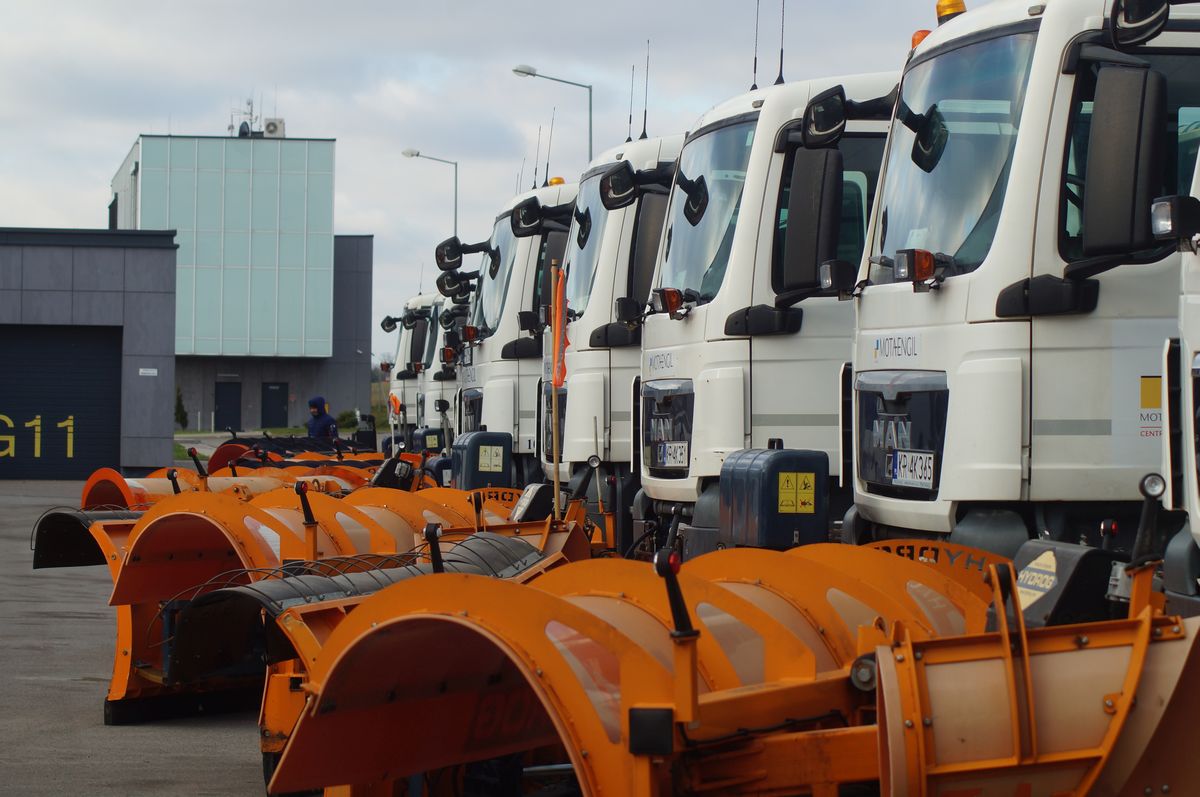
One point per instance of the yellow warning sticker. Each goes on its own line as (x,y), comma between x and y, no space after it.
(1037,578)
(1151,392)
(797,493)
(491,459)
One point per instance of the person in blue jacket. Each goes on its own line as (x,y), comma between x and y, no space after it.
(321,424)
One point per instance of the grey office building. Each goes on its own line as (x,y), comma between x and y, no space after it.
(271,307)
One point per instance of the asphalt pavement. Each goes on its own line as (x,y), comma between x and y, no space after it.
(56,648)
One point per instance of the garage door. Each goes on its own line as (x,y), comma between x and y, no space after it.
(60,401)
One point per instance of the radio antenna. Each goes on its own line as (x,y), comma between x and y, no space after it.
(421,278)
(537,153)
(754,78)
(632,70)
(782,9)
(521,175)
(549,143)
(646,93)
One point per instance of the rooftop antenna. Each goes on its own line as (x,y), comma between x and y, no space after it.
(521,175)
(537,154)
(549,143)
(632,70)
(782,9)
(646,93)
(421,278)
(754,79)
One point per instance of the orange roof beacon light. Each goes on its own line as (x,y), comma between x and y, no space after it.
(949,9)
(557,181)
(919,37)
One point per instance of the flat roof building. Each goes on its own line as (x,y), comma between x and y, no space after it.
(259,286)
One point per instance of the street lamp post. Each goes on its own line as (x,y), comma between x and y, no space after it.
(416,153)
(525,70)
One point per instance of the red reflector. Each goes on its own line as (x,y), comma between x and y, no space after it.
(675,561)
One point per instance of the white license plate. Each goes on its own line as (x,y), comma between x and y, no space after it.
(673,455)
(913,469)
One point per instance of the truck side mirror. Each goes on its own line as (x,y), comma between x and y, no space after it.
(825,118)
(409,319)
(448,254)
(618,186)
(814,219)
(388,324)
(440,406)
(1134,22)
(1126,160)
(526,218)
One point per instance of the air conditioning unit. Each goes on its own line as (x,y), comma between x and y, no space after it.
(273,128)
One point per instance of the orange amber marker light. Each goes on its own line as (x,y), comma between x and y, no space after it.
(470,333)
(448,355)
(922,267)
(949,9)
(919,37)
(671,300)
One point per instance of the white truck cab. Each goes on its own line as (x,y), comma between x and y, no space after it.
(498,350)
(610,256)
(741,346)
(1012,303)
(412,345)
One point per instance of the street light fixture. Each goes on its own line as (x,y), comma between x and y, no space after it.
(525,70)
(416,153)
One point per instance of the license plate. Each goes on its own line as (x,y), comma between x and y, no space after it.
(913,469)
(673,455)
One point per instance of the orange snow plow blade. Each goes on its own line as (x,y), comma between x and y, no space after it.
(749,672)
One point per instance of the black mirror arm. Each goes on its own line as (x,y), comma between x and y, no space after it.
(1092,266)
(792,298)
(878,108)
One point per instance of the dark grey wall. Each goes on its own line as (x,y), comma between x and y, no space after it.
(105,278)
(344,379)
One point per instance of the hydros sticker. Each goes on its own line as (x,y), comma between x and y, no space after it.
(1037,578)
(895,348)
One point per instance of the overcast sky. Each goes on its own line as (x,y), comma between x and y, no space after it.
(82,79)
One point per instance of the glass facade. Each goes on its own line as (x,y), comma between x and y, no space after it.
(254,225)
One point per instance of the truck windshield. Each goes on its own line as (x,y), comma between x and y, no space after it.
(950,153)
(583,245)
(494,279)
(705,199)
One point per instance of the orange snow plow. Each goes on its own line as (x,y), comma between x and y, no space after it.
(821,671)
